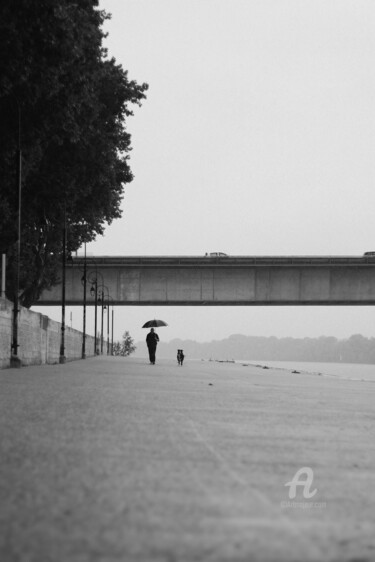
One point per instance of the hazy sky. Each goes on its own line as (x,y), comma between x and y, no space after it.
(257,138)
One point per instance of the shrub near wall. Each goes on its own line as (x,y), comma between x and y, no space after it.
(39,338)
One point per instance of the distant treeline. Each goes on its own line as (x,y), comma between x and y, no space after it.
(356,349)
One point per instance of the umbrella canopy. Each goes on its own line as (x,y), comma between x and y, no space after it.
(154,324)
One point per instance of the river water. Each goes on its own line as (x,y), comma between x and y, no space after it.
(350,371)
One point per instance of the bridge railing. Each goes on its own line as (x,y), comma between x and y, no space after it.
(228,261)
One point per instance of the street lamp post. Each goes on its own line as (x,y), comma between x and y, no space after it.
(113,316)
(103,307)
(112,302)
(84,279)
(101,330)
(65,258)
(108,327)
(62,358)
(94,293)
(15,360)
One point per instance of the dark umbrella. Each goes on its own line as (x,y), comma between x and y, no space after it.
(154,324)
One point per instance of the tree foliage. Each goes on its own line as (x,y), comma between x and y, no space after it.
(126,347)
(73,103)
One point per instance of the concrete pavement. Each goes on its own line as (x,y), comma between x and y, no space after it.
(112,459)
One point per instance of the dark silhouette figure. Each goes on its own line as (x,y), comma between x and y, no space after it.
(180,356)
(152,341)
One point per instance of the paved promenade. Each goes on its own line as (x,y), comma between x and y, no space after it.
(112,459)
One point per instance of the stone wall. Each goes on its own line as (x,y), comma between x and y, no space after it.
(5,332)
(39,338)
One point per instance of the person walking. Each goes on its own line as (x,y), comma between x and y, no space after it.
(152,341)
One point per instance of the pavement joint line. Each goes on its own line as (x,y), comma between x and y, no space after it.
(261,497)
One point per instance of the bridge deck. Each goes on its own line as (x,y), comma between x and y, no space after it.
(228,261)
(222,281)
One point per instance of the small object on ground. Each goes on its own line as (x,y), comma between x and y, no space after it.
(265,367)
(298,372)
(210,384)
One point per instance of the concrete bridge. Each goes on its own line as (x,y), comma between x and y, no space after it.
(218,281)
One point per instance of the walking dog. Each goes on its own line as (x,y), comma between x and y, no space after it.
(180,356)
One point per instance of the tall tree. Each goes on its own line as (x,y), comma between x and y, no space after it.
(73,103)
